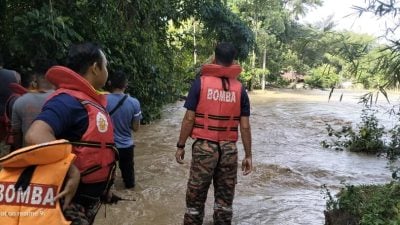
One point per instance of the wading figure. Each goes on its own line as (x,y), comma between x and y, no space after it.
(217,105)
(76,112)
(126,114)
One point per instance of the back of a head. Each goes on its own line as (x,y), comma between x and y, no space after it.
(82,56)
(225,53)
(117,80)
(41,65)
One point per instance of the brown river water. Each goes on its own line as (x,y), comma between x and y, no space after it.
(290,166)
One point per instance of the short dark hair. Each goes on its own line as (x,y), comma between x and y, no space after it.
(225,53)
(82,56)
(41,65)
(117,79)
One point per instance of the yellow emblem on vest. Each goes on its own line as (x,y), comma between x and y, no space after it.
(101,122)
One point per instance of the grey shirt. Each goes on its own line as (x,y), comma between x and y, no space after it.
(26,108)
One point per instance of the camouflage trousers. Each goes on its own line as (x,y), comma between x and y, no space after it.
(80,215)
(211,162)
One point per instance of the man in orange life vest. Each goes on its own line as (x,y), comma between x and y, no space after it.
(216,105)
(76,112)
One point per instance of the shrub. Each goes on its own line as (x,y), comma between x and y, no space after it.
(367,138)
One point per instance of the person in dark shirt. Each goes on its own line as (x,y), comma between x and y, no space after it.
(217,105)
(76,112)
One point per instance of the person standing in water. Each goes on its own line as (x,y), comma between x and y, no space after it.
(217,104)
(126,114)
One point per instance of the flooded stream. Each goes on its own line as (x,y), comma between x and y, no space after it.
(290,166)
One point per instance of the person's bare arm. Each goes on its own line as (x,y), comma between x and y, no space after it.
(245,132)
(39,132)
(71,185)
(186,130)
(135,125)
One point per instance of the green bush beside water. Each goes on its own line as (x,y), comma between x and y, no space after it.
(367,204)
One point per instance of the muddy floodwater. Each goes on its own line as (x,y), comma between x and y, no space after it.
(290,166)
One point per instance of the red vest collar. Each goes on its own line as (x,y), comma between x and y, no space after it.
(17,89)
(216,70)
(63,77)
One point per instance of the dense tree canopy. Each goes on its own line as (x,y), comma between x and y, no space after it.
(134,35)
(162,43)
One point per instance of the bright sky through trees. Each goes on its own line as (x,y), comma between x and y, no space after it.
(346,17)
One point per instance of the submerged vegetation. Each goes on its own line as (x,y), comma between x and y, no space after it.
(366,204)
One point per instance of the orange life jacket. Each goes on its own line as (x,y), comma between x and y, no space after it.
(218,111)
(96,155)
(30,179)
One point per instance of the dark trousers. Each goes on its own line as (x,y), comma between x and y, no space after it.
(127,166)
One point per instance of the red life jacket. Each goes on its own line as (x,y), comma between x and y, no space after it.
(96,155)
(17,91)
(218,111)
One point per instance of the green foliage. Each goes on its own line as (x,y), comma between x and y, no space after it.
(370,204)
(323,76)
(222,24)
(388,63)
(394,144)
(134,36)
(367,138)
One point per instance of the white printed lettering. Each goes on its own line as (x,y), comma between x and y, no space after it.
(23,196)
(36,197)
(221,95)
(49,197)
(10,193)
(1,192)
(209,94)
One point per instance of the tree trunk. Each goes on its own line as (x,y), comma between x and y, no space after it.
(264,65)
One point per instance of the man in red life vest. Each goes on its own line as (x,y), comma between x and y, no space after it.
(76,112)
(217,104)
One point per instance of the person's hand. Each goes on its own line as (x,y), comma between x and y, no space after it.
(180,155)
(247,165)
(73,179)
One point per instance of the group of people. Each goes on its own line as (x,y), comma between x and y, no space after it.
(78,112)
(95,123)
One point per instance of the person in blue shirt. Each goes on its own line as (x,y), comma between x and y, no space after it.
(126,115)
